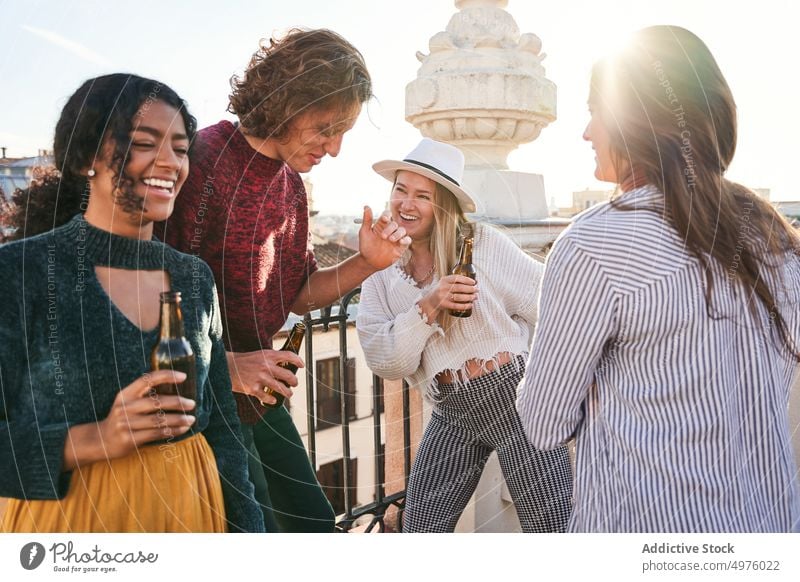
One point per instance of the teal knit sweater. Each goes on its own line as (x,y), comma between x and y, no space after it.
(66,350)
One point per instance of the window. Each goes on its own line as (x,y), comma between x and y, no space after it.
(329,393)
(331,477)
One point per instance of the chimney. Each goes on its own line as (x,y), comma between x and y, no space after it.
(4,152)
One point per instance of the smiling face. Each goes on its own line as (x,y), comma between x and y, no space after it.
(412,204)
(155,168)
(158,162)
(311,137)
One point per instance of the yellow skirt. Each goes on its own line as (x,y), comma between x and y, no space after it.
(160,488)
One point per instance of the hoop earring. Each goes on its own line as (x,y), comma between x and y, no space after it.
(91,173)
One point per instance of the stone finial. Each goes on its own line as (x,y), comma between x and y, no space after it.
(482,86)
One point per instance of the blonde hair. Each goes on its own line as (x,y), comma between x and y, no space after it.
(449,227)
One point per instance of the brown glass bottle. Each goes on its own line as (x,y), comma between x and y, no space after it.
(292,344)
(465,268)
(173,351)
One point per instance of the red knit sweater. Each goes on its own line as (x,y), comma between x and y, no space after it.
(246,215)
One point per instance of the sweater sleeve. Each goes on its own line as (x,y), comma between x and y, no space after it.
(392,344)
(577,318)
(224,435)
(516,275)
(31,453)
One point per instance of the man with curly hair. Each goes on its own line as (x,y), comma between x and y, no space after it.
(244,210)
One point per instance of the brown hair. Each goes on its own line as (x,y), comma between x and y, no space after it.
(671,120)
(302,71)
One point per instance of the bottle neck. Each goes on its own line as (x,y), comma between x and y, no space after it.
(171,320)
(466,252)
(295,339)
(293,343)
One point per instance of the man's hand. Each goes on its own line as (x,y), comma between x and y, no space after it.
(379,245)
(384,242)
(252,372)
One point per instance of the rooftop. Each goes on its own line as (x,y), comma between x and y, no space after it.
(329,254)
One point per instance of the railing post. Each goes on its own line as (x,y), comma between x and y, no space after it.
(310,399)
(403,431)
(380,455)
(345,420)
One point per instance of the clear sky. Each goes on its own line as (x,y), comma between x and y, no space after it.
(50,47)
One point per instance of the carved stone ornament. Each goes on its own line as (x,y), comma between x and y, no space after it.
(482,87)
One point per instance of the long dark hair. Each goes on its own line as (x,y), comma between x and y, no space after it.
(671,120)
(102,109)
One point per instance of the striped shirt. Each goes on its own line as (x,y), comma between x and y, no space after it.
(680,419)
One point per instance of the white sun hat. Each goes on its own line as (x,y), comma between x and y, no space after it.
(441,162)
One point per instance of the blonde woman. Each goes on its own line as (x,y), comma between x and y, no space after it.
(468,367)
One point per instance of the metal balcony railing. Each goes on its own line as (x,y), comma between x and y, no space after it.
(378,508)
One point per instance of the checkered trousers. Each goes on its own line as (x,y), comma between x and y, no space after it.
(469,423)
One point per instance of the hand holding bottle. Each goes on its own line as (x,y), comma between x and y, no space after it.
(137,417)
(252,372)
(291,346)
(454,293)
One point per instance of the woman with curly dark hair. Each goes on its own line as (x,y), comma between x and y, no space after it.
(87,444)
(669,327)
(244,210)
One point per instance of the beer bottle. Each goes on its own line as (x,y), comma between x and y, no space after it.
(173,351)
(292,344)
(465,268)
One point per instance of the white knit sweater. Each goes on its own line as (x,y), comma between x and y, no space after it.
(398,342)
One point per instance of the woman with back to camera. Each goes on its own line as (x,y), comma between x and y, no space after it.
(468,367)
(86,445)
(669,324)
